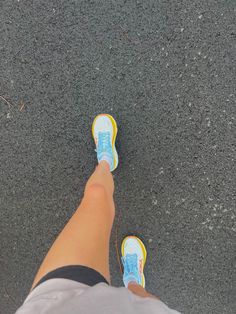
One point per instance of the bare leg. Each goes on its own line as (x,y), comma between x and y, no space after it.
(85,238)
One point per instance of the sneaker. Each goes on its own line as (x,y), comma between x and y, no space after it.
(104,130)
(134,257)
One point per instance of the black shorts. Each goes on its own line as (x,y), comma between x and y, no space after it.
(81,274)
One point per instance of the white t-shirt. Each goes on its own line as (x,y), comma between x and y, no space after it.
(64,296)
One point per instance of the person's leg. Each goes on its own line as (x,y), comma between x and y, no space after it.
(85,238)
(139,290)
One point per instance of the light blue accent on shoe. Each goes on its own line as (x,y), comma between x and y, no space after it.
(104,148)
(131,273)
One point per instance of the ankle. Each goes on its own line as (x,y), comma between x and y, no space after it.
(137,289)
(130,280)
(105,165)
(132,284)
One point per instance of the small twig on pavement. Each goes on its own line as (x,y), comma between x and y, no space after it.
(22,105)
(9,296)
(8,102)
(11,105)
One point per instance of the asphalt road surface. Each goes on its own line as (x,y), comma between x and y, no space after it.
(166,71)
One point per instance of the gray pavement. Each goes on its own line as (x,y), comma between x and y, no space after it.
(166,71)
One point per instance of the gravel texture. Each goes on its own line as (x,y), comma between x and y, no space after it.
(166,71)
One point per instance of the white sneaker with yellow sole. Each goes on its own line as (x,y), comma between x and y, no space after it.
(134,257)
(104,130)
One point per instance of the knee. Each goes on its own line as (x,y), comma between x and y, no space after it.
(96,191)
(97,198)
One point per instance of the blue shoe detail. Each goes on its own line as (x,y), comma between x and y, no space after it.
(104,148)
(131,273)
